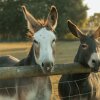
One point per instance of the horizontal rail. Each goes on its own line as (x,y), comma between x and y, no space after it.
(35,71)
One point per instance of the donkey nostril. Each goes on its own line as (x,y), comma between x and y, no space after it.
(42,65)
(51,64)
(93,61)
(48,68)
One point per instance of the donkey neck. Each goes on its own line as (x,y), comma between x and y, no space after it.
(30,60)
(79,58)
(80,76)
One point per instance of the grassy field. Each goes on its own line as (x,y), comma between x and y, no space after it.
(65,52)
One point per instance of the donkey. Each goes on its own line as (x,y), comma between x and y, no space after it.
(42,53)
(7,86)
(8,60)
(83,86)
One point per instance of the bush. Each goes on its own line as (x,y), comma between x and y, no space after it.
(70,36)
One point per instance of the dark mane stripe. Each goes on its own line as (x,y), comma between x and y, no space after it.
(29,60)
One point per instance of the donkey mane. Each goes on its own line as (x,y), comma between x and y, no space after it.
(42,22)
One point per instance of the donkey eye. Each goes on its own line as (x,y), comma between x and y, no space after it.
(35,42)
(53,40)
(84,46)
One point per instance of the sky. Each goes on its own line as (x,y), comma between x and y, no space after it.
(93,5)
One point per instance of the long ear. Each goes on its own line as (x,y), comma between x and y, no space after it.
(97,33)
(52,17)
(75,30)
(32,23)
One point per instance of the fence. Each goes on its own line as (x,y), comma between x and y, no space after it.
(33,71)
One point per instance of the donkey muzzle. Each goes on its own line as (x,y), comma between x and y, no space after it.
(47,66)
(96,65)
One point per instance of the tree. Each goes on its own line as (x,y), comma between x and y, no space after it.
(95,19)
(74,10)
(11,19)
(13,24)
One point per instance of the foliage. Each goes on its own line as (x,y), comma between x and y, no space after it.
(11,19)
(13,24)
(73,10)
(94,20)
(70,36)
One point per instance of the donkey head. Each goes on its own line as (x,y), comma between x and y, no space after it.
(42,34)
(89,51)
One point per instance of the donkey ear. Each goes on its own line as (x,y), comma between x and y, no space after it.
(32,23)
(75,30)
(97,33)
(52,17)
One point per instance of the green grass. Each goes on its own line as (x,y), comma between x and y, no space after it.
(65,51)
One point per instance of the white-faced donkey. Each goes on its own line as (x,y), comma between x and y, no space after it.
(42,53)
